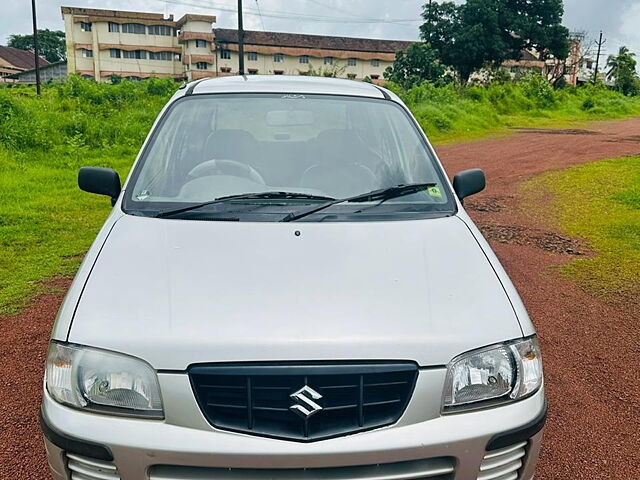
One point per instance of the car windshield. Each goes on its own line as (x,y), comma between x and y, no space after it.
(318,147)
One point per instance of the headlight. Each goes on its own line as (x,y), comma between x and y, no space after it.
(493,375)
(102,381)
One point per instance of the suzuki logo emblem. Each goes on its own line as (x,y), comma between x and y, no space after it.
(305,399)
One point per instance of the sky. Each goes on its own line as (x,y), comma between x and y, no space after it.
(390,19)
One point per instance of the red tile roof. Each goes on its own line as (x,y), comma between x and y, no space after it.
(20,58)
(280,39)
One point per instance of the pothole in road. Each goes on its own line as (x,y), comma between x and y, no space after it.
(547,241)
(557,131)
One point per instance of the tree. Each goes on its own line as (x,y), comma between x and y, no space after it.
(420,63)
(481,33)
(622,68)
(51,44)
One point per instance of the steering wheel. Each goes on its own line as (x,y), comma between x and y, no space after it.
(226,167)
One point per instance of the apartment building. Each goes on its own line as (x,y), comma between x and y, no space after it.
(298,54)
(102,43)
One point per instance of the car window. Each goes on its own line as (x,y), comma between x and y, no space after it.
(209,146)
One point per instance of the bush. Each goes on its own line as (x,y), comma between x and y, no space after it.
(450,110)
(81,113)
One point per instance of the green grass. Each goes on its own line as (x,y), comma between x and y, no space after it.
(452,113)
(598,202)
(47,224)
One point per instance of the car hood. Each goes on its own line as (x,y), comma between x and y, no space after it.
(178,292)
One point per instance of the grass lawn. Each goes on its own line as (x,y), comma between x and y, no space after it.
(598,202)
(46,222)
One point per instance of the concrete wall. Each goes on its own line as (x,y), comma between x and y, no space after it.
(56,71)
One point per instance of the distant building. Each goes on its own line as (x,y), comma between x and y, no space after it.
(48,73)
(552,68)
(14,60)
(102,43)
(292,54)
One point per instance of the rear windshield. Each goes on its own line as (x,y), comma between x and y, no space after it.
(212,146)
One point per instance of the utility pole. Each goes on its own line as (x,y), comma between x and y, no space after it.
(35,45)
(240,40)
(600,43)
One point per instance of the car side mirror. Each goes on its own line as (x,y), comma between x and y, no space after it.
(469,182)
(103,181)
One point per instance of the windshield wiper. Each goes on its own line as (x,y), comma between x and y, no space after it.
(245,196)
(383,195)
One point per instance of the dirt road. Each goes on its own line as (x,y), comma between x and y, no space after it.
(591,349)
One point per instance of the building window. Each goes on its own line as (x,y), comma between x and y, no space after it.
(114,27)
(135,54)
(304,59)
(203,66)
(351,62)
(115,53)
(201,43)
(375,77)
(253,71)
(87,53)
(252,56)
(225,54)
(328,60)
(225,69)
(177,57)
(375,62)
(278,72)
(85,26)
(278,57)
(136,28)
(351,76)
(165,30)
(167,56)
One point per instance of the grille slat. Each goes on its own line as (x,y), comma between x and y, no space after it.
(503,464)
(432,469)
(256,398)
(83,468)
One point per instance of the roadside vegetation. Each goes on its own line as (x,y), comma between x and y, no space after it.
(600,203)
(453,112)
(47,223)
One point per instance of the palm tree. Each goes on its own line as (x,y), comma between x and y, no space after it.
(614,62)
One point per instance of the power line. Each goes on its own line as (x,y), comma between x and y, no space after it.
(355,15)
(287,15)
(260,15)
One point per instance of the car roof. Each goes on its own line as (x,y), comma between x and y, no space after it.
(298,84)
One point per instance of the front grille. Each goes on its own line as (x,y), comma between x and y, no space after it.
(503,464)
(84,468)
(432,469)
(338,399)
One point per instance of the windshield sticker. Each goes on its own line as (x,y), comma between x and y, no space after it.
(434,192)
(143,195)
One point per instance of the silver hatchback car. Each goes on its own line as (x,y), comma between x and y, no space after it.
(288,287)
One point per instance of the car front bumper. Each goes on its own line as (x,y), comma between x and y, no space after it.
(501,443)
